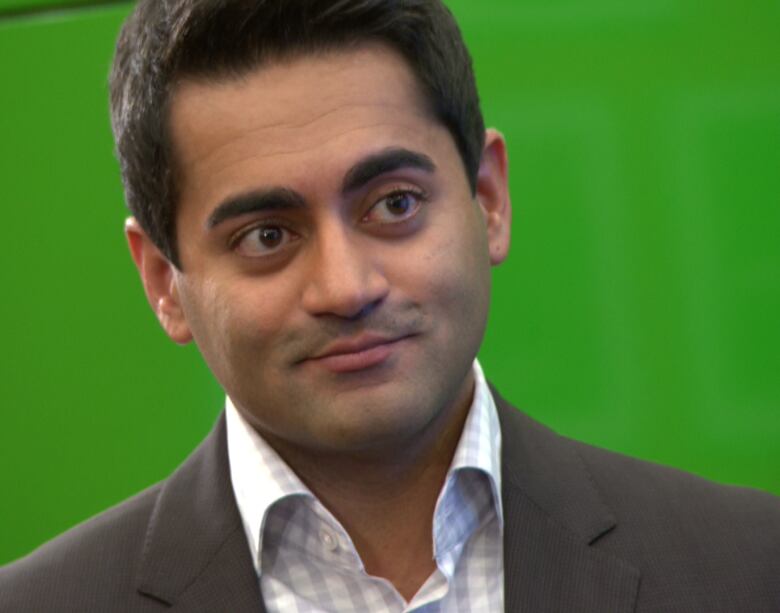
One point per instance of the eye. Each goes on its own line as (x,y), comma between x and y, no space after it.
(396,207)
(263,240)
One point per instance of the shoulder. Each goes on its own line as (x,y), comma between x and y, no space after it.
(649,492)
(670,490)
(76,570)
(649,498)
(638,492)
(696,544)
(689,535)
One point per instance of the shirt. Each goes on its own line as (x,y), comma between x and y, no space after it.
(306,561)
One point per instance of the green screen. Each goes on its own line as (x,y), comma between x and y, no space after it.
(52,7)
(638,310)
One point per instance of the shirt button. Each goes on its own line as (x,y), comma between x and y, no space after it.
(329,540)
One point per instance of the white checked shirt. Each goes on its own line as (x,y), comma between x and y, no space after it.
(307,563)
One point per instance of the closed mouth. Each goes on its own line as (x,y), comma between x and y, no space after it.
(358,353)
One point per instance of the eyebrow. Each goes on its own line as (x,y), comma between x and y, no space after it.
(274,199)
(284,199)
(388,160)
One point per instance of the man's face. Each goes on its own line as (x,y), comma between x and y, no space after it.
(334,262)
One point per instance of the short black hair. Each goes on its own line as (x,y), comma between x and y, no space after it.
(164,41)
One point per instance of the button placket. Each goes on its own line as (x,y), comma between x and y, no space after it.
(329,540)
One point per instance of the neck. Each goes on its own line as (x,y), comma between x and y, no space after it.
(386,501)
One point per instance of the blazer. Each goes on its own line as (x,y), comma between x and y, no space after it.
(586,530)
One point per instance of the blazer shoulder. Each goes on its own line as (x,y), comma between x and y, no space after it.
(633,484)
(689,536)
(75,570)
(629,486)
(696,545)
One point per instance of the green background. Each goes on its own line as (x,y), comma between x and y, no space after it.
(638,310)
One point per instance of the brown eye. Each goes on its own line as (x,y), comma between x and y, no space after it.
(399,204)
(263,241)
(396,207)
(270,237)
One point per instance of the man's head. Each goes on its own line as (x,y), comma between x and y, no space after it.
(167,41)
(334,249)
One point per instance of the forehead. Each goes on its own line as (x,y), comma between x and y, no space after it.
(283,112)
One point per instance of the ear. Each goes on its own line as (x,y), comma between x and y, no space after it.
(160,280)
(493,195)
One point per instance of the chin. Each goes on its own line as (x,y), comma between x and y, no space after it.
(375,427)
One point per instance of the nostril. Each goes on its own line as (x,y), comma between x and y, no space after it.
(343,280)
(366,310)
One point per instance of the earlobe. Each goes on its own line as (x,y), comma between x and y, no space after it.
(493,195)
(159,279)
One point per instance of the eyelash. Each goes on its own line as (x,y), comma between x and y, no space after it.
(236,238)
(417,194)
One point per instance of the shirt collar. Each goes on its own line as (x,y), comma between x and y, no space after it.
(260,477)
(480,444)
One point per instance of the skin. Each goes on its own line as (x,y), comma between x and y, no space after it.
(405,258)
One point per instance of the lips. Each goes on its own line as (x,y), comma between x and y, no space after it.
(359,353)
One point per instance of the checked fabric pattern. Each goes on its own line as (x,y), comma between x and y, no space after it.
(306,562)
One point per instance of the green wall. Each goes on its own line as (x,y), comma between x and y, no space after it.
(36,6)
(638,310)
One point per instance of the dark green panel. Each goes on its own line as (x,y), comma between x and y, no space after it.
(638,309)
(18,5)
(97,402)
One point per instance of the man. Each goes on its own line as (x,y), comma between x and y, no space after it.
(317,204)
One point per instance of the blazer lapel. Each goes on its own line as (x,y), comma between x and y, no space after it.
(195,556)
(196,559)
(553,517)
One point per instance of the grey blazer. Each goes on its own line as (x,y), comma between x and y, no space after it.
(586,531)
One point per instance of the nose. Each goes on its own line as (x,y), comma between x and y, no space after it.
(343,278)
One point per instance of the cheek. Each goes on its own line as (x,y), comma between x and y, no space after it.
(233,324)
(249,314)
(457,275)
(208,314)
(464,253)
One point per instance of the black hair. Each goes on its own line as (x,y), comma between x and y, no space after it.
(164,41)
